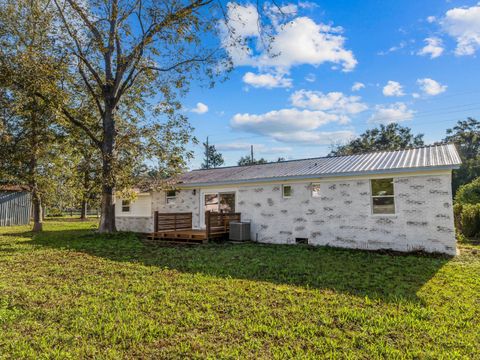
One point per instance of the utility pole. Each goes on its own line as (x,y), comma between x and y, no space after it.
(251,154)
(207,150)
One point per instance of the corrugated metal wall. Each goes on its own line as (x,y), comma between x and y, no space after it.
(15,208)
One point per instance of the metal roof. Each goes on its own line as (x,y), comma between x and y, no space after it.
(424,158)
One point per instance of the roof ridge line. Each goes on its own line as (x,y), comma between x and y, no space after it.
(328,157)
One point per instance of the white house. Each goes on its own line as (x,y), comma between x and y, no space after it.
(399,200)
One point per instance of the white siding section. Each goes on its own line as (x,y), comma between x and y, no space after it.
(141,206)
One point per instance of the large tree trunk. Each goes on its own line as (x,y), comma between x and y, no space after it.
(36,199)
(37,211)
(107,220)
(83,210)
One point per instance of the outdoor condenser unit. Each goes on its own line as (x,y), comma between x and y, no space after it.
(240,231)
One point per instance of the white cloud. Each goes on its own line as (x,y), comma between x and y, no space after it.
(259,148)
(395,48)
(310,77)
(386,114)
(463,24)
(294,42)
(332,102)
(201,108)
(431,19)
(307,5)
(317,138)
(286,10)
(431,87)
(233,146)
(434,47)
(291,125)
(283,120)
(267,80)
(358,86)
(393,88)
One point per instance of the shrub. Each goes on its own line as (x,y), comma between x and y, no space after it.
(470,220)
(469,193)
(54,212)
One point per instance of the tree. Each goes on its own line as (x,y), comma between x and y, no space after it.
(386,137)
(247,160)
(466,137)
(129,51)
(31,138)
(212,157)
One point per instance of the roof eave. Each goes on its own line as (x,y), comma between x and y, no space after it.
(313,176)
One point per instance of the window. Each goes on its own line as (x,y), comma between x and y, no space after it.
(171,196)
(125,205)
(316,190)
(383,197)
(287,191)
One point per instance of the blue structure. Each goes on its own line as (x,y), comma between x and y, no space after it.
(15,206)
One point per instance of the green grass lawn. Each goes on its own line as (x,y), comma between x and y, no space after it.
(70,293)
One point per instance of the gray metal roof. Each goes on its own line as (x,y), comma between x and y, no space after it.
(417,159)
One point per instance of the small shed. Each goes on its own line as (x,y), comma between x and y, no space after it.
(15,205)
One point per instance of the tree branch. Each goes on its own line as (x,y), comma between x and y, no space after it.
(81,125)
(79,53)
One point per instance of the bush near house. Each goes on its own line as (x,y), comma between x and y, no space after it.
(469,193)
(467,219)
(71,293)
(467,210)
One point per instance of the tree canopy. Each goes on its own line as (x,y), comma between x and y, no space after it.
(212,158)
(385,137)
(466,136)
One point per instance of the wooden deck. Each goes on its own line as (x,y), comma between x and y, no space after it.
(177,227)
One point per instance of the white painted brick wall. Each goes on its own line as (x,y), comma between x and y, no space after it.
(341,216)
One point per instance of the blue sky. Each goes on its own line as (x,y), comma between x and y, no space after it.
(417,63)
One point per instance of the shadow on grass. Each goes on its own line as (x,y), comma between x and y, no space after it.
(362,273)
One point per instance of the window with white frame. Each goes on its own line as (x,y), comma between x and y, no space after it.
(170,196)
(315,190)
(125,205)
(383,196)
(287,191)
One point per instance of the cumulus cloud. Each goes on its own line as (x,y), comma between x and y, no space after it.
(332,102)
(431,19)
(291,125)
(386,114)
(358,86)
(431,87)
(433,48)
(201,108)
(267,80)
(297,41)
(463,24)
(393,88)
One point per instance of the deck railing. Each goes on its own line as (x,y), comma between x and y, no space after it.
(219,223)
(172,221)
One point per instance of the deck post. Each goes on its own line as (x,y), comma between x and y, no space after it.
(155,222)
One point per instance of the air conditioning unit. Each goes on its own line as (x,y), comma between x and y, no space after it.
(240,231)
